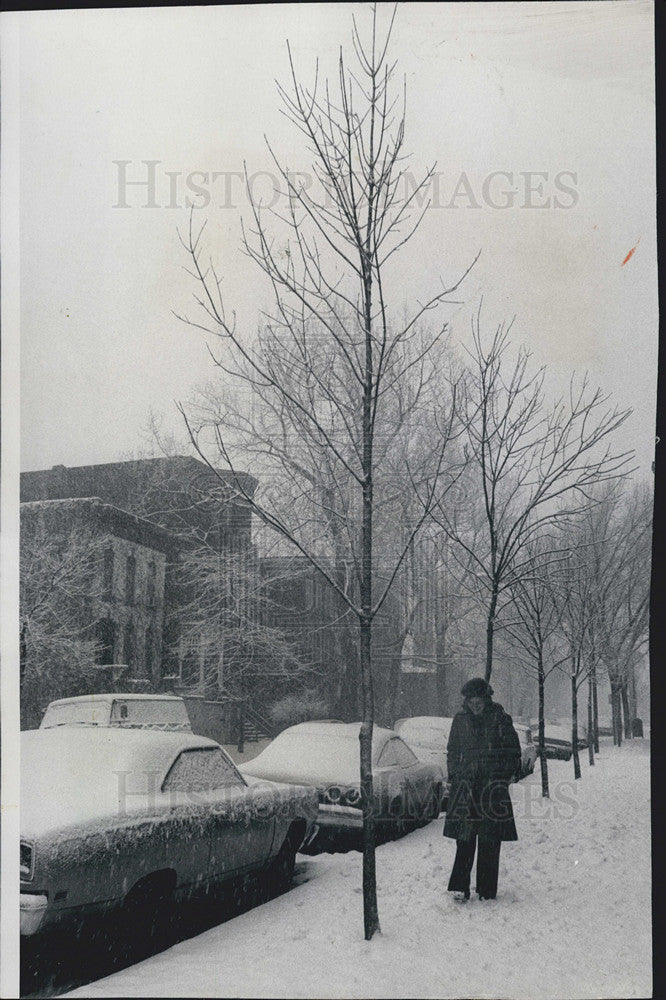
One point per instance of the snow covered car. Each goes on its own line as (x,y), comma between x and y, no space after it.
(136,817)
(557,741)
(325,756)
(428,737)
(528,750)
(123,711)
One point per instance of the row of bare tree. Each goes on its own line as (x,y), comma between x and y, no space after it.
(362,427)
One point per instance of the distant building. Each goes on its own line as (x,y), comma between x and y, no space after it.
(113,598)
(189,503)
(180,494)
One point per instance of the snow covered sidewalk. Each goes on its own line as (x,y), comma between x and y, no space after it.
(572,916)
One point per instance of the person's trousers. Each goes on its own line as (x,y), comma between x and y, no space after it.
(487,866)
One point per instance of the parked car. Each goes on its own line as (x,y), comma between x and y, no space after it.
(123,711)
(528,749)
(557,741)
(136,817)
(325,756)
(428,737)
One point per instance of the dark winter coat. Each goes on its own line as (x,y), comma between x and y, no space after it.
(483,757)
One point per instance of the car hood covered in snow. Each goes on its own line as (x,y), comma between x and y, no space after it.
(317,754)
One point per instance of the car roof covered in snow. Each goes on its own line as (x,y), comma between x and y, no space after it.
(118,696)
(316,753)
(435,724)
(72,775)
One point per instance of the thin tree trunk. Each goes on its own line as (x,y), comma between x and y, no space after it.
(633,702)
(628,728)
(241,726)
(574,726)
(590,722)
(490,632)
(545,792)
(615,709)
(595,708)
(370,907)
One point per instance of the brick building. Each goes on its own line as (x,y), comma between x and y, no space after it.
(96,574)
(153,511)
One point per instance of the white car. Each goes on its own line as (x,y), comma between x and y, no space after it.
(119,711)
(528,750)
(428,737)
(325,755)
(135,818)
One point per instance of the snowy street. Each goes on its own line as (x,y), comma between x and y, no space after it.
(572,917)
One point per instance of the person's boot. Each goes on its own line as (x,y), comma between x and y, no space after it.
(461,897)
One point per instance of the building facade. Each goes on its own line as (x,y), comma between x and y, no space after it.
(93,581)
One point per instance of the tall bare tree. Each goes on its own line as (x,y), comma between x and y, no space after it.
(230,617)
(617,537)
(330,354)
(532,634)
(531,464)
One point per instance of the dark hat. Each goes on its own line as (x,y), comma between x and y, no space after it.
(476,688)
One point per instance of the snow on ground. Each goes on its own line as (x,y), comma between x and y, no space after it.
(572,916)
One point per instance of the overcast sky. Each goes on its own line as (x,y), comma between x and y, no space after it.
(563,89)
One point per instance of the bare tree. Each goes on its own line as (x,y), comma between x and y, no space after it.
(532,465)
(532,636)
(618,540)
(329,356)
(229,618)
(573,595)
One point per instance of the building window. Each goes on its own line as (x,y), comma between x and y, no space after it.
(129,653)
(105,635)
(150,655)
(151,584)
(108,573)
(130,579)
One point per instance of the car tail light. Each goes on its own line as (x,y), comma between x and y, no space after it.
(332,795)
(337,796)
(27,858)
(352,797)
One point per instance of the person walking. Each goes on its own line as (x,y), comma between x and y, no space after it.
(483,758)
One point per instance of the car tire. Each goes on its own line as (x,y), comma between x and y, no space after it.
(148,909)
(281,869)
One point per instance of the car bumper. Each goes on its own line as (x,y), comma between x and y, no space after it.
(339,817)
(558,753)
(33,910)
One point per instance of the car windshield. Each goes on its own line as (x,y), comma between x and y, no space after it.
(72,713)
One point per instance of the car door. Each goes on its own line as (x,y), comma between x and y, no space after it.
(239,833)
(187,826)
